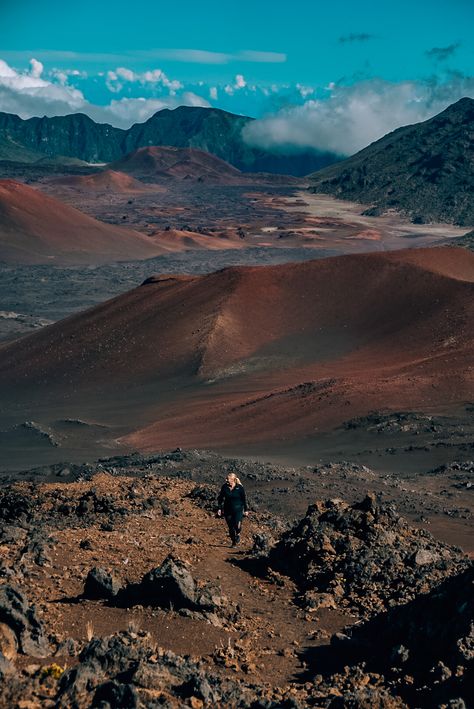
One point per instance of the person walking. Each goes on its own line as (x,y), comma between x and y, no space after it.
(232,503)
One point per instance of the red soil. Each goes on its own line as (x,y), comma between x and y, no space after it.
(183,240)
(179,163)
(106,181)
(265,354)
(36,228)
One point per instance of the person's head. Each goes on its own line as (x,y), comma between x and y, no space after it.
(232,479)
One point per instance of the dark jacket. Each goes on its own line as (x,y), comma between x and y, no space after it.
(232,501)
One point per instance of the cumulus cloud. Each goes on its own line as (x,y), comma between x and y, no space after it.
(36,68)
(213,93)
(239,83)
(62,75)
(115,79)
(354,116)
(441,54)
(304,91)
(356,37)
(28,94)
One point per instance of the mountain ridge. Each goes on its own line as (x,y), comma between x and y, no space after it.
(425,170)
(210,129)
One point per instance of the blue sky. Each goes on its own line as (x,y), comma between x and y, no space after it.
(293,65)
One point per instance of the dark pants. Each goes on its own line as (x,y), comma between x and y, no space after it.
(234,523)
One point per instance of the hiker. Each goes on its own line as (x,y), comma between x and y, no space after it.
(233,504)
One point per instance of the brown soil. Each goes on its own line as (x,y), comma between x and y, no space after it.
(177,163)
(272,632)
(179,240)
(106,181)
(35,228)
(271,354)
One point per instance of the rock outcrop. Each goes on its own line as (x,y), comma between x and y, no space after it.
(361,557)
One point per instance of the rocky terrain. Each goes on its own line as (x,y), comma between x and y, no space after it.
(210,129)
(424,170)
(118,588)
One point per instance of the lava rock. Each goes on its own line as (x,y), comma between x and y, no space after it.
(116,695)
(16,613)
(363,555)
(429,641)
(101,584)
(169,586)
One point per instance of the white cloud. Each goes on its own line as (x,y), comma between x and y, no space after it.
(36,68)
(197,56)
(62,75)
(204,56)
(239,83)
(262,57)
(112,82)
(116,78)
(6,71)
(125,74)
(354,116)
(304,91)
(213,93)
(27,94)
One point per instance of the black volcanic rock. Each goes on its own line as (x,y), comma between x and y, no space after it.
(210,129)
(423,651)
(363,557)
(101,584)
(425,170)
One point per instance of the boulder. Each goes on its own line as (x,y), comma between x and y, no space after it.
(170,585)
(101,584)
(17,614)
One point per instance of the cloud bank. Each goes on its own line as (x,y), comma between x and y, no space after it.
(28,94)
(339,119)
(354,116)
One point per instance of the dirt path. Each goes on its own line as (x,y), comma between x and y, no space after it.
(271,634)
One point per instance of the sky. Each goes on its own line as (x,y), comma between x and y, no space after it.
(327,75)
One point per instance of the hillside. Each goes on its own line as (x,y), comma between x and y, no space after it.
(106,181)
(36,228)
(385,331)
(425,170)
(179,163)
(208,129)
